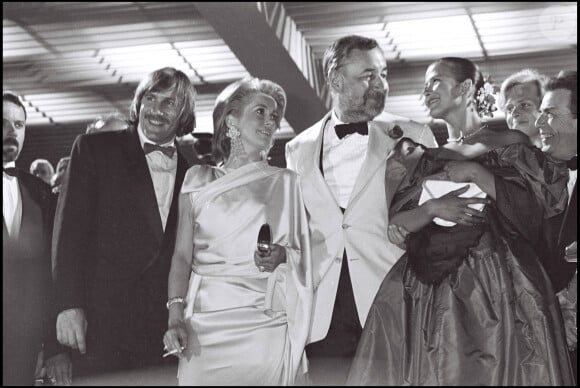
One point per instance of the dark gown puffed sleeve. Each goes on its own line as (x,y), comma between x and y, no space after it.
(531,197)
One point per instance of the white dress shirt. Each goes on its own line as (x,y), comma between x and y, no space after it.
(11,202)
(342,160)
(162,169)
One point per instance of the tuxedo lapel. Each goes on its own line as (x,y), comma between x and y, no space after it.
(379,146)
(569,228)
(309,169)
(168,236)
(31,223)
(179,175)
(5,235)
(140,182)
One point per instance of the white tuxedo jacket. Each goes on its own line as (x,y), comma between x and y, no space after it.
(362,229)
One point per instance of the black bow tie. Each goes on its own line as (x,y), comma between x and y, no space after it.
(169,150)
(572,163)
(11,171)
(346,129)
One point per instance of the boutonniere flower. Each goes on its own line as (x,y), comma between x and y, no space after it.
(396,132)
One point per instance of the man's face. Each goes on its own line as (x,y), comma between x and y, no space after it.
(158,115)
(363,88)
(13,128)
(557,125)
(522,108)
(43,172)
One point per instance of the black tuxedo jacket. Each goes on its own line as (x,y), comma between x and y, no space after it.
(563,232)
(27,313)
(108,233)
(568,234)
(569,228)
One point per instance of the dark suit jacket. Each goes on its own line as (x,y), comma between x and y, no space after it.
(568,234)
(569,228)
(109,239)
(27,288)
(565,231)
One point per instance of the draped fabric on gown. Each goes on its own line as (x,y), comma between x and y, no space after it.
(246,327)
(493,319)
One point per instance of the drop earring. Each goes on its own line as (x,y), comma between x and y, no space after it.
(237,150)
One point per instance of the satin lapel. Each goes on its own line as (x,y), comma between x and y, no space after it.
(168,236)
(140,182)
(569,228)
(31,222)
(379,146)
(5,235)
(314,186)
(179,174)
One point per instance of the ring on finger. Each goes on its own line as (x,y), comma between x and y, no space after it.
(261,268)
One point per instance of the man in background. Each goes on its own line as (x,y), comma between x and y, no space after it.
(520,97)
(557,125)
(28,318)
(43,169)
(58,178)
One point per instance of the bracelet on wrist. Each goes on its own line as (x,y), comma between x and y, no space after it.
(173,300)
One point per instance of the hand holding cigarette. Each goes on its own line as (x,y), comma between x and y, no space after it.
(174,351)
(175,339)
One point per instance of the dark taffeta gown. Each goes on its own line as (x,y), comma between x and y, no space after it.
(472,305)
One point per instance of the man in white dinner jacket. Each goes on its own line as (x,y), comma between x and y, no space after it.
(342,172)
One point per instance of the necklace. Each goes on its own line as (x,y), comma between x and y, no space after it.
(462,137)
(456,139)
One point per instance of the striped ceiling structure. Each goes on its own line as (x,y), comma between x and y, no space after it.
(71,62)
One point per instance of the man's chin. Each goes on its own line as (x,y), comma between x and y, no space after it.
(435,114)
(546,148)
(375,110)
(9,155)
(158,134)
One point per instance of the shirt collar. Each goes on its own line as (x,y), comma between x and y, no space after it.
(143,139)
(335,119)
(8,178)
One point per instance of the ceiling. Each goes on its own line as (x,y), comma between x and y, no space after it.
(71,62)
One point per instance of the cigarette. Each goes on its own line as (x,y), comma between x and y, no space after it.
(169,353)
